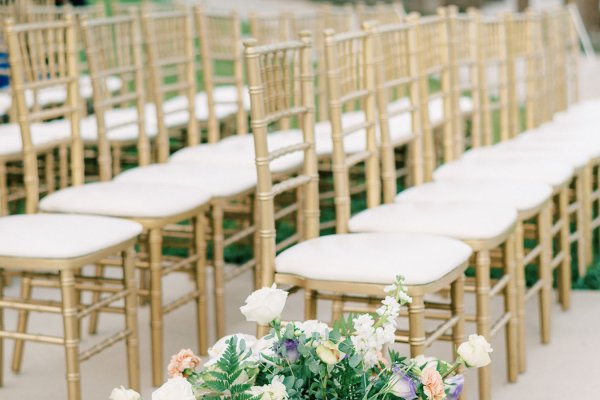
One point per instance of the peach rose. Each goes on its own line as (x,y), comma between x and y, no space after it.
(185,359)
(433,384)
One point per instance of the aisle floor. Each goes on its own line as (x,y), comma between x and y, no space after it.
(568,368)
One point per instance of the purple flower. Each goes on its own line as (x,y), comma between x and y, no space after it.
(402,385)
(289,349)
(454,387)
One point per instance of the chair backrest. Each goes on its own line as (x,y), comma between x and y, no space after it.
(275,73)
(169,43)
(556,37)
(351,81)
(492,93)
(381,12)
(113,50)
(43,56)
(397,97)
(435,88)
(221,59)
(573,53)
(268,29)
(526,70)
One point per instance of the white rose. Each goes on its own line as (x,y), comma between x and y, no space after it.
(216,351)
(264,305)
(475,351)
(174,389)
(425,362)
(275,391)
(121,393)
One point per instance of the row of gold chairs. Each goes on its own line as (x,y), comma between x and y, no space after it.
(381,80)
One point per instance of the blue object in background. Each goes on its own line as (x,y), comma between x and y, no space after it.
(4,80)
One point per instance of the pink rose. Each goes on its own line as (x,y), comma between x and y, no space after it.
(433,384)
(185,359)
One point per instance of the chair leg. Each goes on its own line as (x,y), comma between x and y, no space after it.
(545,274)
(586,205)
(582,260)
(23,318)
(49,172)
(256,243)
(156,307)
(337,310)
(310,305)
(483,316)
(219,266)
(3,190)
(521,289)
(200,273)
(63,167)
(457,294)
(95,315)
(132,343)
(510,307)
(416,321)
(565,247)
(69,304)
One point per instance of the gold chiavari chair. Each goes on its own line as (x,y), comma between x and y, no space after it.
(152,205)
(488,229)
(230,184)
(523,66)
(269,28)
(225,97)
(532,200)
(333,267)
(55,248)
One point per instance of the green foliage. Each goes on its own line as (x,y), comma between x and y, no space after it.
(227,376)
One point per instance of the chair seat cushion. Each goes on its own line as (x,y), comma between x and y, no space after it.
(519,195)
(121,126)
(57,236)
(374,258)
(239,151)
(458,220)
(126,200)
(224,181)
(42,134)
(113,84)
(516,150)
(552,173)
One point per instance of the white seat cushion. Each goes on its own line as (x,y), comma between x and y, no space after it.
(374,258)
(239,151)
(436,108)
(115,118)
(125,200)
(519,195)
(552,173)
(532,151)
(61,236)
(400,133)
(113,84)
(457,220)
(58,94)
(41,134)
(224,181)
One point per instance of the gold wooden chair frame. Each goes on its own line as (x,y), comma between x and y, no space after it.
(423,39)
(266,66)
(193,208)
(60,68)
(489,52)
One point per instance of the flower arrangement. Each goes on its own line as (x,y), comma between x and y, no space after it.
(310,360)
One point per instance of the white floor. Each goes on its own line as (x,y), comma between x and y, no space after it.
(566,369)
